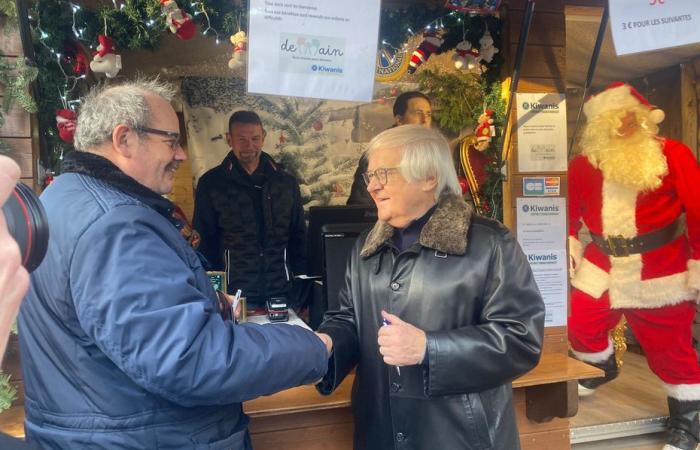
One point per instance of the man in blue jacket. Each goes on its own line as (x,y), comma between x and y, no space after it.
(122,341)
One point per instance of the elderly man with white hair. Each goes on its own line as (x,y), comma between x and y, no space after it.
(439,312)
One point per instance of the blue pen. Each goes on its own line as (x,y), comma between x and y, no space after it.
(384,324)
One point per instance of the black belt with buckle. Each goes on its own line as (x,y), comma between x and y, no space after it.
(619,246)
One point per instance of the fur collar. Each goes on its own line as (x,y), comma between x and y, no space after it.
(445,231)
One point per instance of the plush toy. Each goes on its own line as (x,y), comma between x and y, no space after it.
(465,57)
(105,60)
(486,48)
(432,43)
(485,131)
(65,122)
(179,22)
(240,50)
(76,58)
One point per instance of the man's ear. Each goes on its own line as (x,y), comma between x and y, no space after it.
(122,140)
(429,184)
(229,139)
(398,120)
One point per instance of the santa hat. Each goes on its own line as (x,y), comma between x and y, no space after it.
(619,95)
(65,115)
(107,45)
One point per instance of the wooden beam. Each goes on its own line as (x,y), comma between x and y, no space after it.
(689,107)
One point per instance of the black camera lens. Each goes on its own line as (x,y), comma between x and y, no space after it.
(26,222)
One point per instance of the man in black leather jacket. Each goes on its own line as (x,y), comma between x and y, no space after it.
(439,312)
(249,214)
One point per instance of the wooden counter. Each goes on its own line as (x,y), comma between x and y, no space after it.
(302,419)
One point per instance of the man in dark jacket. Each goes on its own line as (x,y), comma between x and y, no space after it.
(439,312)
(410,108)
(249,214)
(122,341)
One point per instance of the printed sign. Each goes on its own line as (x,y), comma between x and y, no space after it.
(541,133)
(312,48)
(644,25)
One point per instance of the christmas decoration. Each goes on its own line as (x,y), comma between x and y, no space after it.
(105,59)
(318,125)
(76,58)
(8,393)
(48,178)
(487,50)
(473,6)
(485,131)
(432,43)
(179,22)
(465,57)
(65,122)
(459,95)
(240,50)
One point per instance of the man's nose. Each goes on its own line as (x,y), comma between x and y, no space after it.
(373,184)
(180,153)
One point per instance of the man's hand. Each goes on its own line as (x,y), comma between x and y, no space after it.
(327,341)
(14,279)
(400,343)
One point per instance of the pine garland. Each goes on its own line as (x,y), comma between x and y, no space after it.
(457,96)
(15,79)
(8,393)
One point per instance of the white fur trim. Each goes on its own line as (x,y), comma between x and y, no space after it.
(653,293)
(694,274)
(614,98)
(683,391)
(575,254)
(619,211)
(596,357)
(591,279)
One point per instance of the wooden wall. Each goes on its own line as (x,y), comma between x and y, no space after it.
(543,70)
(17,129)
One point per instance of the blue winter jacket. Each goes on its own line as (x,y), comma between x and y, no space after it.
(122,343)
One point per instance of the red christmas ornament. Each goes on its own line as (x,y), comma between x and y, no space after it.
(318,126)
(394,92)
(464,184)
(65,122)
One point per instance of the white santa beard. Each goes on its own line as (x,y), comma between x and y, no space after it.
(636,161)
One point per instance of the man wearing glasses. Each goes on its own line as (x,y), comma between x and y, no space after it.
(122,339)
(249,214)
(439,311)
(410,108)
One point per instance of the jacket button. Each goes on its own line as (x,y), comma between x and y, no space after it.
(400,437)
(395,387)
(395,286)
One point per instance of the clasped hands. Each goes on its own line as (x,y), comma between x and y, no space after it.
(400,343)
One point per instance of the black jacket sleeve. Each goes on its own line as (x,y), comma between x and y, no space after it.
(205,222)
(297,235)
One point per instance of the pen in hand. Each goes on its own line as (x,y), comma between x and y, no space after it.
(384,324)
(236,301)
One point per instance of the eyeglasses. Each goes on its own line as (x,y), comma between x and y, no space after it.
(381,175)
(174,136)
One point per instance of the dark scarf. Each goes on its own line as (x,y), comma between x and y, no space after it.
(101,168)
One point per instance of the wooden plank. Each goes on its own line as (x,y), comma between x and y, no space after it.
(21,152)
(689,107)
(541,61)
(526,426)
(547,28)
(299,399)
(10,42)
(551,440)
(17,122)
(555,368)
(328,437)
(537,85)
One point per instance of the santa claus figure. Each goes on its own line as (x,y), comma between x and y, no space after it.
(179,22)
(65,123)
(106,60)
(639,196)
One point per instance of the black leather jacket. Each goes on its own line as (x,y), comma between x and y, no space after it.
(467,283)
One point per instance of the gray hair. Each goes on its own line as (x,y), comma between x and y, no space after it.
(425,153)
(105,107)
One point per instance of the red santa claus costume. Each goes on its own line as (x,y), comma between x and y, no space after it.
(639,196)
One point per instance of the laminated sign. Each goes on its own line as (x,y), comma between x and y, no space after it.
(645,25)
(313,48)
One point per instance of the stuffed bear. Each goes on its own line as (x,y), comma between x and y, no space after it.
(465,57)
(487,50)
(240,50)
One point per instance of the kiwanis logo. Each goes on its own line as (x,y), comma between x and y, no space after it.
(526,106)
(526,208)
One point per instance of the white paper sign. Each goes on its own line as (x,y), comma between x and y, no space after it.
(542,236)
(644,25)
(541,133)
(313,48)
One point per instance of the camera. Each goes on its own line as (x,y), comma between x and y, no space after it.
(27,224)
(277,310)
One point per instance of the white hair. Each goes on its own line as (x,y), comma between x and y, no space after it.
(425,154)
(105,107)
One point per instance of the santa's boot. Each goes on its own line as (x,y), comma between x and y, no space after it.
(609,366)
(683,425)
